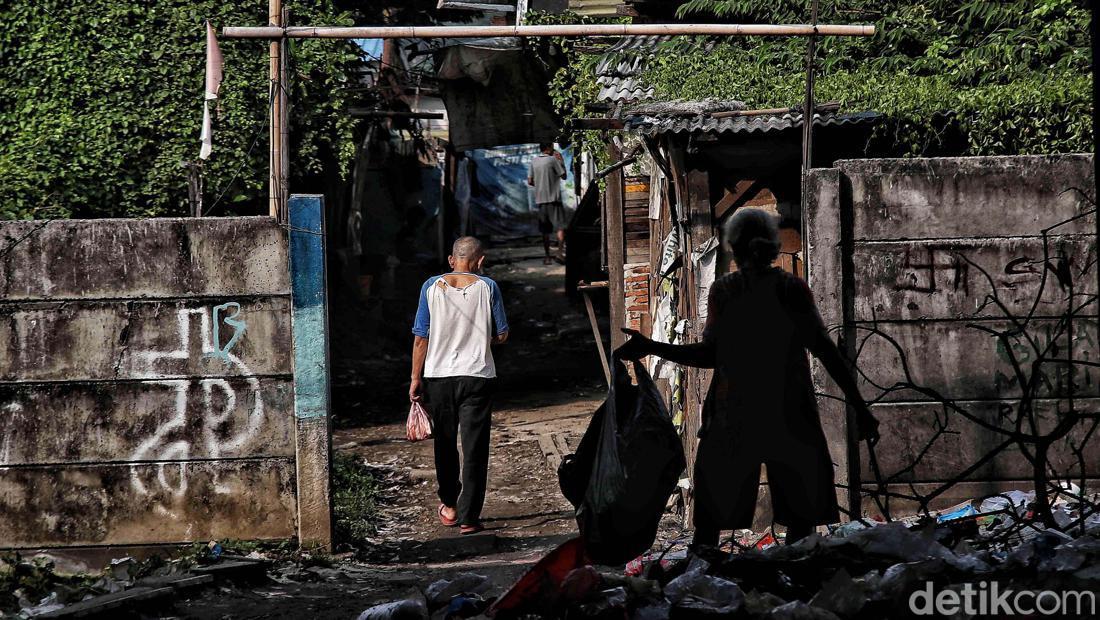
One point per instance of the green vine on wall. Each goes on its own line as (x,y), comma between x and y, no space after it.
(103,103)
(951,77)
(1000,77)
(573,84)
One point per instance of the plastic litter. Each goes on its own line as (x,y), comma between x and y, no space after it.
(580,584)
(840,595)
(441,592)
(758,603)
(653,611)
(418,426)
(44,606)
(638,565)
(608,599)
(851,527)
(412,608)
(957,512)
(704,594)
(797,610)
(1008,500)
(465,606)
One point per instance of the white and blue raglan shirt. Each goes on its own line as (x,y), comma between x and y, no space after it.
(462,323)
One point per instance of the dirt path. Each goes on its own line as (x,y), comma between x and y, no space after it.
(550,382)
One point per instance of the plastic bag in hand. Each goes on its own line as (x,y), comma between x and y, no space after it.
(418,427)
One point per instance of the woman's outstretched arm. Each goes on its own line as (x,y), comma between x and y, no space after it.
(698,354)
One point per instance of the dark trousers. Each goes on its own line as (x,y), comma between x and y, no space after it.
(461,407)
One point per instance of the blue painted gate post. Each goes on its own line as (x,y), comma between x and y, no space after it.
(309,317)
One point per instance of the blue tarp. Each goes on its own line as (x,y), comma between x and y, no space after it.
(501,203)
(371,47)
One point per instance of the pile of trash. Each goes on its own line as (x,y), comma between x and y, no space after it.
(32,586)
(860,569)
(460,597)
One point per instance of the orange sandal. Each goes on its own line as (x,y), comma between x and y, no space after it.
(471,529)
(444,519)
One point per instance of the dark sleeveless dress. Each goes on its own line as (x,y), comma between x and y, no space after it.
(761,407)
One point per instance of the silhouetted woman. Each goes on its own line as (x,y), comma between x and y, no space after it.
(761,407)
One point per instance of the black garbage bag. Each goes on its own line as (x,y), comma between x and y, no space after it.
(625,469)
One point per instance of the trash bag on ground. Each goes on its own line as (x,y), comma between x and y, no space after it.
(418,427)
(627,465)
(443,591)
(702,595)
(412,608)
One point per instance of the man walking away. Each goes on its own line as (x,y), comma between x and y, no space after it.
(460,316)
(547,172)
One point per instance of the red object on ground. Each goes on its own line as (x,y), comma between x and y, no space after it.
(542,584)
(418,427)
(766,541)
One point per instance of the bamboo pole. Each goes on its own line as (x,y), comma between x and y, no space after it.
(284,125)
(275,134)
(545,30)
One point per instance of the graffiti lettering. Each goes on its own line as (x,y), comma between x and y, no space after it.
(921,274)
(222,351)
(216,426)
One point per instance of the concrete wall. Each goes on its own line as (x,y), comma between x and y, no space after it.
(901,245)
(146,391)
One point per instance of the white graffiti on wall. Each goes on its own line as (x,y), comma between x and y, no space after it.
(173,440)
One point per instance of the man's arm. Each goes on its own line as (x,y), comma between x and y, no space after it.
(420,352)
(561,164)
(421,328)
(500,320)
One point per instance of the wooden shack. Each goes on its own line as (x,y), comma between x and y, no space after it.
(664,231)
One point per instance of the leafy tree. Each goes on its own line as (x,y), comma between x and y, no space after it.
(951,77)
(103,103)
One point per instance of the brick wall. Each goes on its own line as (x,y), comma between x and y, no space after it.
(636,291)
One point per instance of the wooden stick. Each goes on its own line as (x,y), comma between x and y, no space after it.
(475,6)
(597,123)
(831,106)
(545,30)
(736,113)
(275,19)
(586,292)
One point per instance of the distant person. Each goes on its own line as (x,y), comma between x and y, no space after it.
(761,408)
(547,173)
(460,315)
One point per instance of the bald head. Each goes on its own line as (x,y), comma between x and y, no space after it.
(467,248)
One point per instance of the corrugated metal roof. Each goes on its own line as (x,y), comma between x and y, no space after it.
(652,125)
(650,44)
(619,78)
(619,69)
(624,89)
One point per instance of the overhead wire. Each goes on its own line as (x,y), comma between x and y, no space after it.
(251,148)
